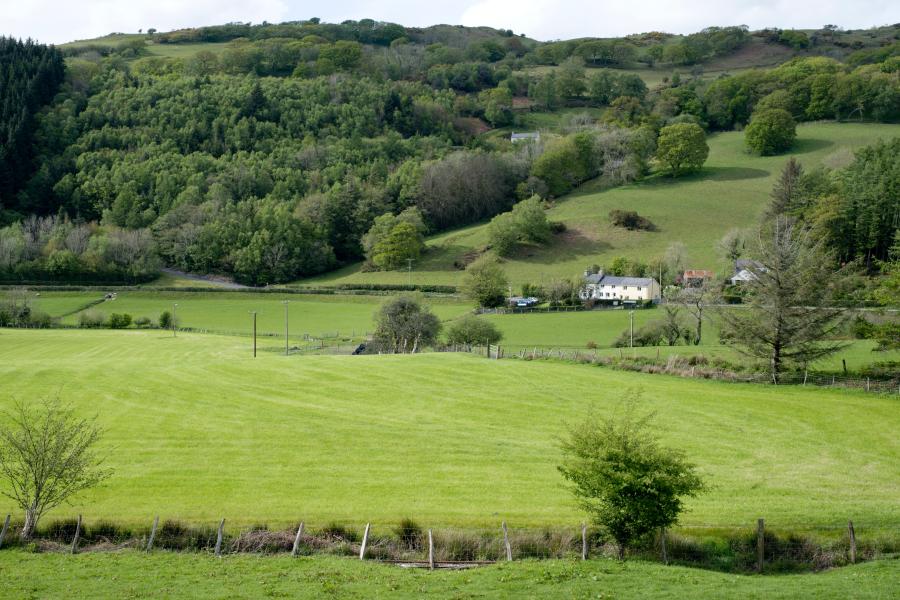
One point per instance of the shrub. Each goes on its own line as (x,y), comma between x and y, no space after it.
(472,330)
(165,320)
(91,319)
(143,323)
(629,219)
(118,321)
(410,533)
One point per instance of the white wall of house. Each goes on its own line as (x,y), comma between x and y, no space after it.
(601,291)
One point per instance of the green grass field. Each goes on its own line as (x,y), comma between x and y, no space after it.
(198,430)
(731,191)
(352,317)
(229,312)
(167,575)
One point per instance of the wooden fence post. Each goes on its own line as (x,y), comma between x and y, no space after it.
(584,542)
(3,531)
(219,537)
(662,545)
(760,543)
(506,541)
(852,541)
(152,533)
(430,551)
(296,547)
(77,533)
(362,550)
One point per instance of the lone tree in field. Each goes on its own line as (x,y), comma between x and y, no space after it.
(629,484)
(403,325)
(789,318)
(485,283)
(472,331)
(770,131)
(682,148)
(47,456)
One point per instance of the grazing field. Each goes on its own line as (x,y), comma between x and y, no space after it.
(198,430)
(229,312)
(164,575)
(731,191)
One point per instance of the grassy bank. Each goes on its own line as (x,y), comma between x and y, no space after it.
(166,575)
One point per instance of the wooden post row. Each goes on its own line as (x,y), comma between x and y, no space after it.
(362,550)
(296,547)
(219,538)
(152,533)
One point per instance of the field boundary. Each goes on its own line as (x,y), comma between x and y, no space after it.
(755,548)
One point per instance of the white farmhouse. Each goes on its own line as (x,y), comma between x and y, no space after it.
(527,136)
(619,290)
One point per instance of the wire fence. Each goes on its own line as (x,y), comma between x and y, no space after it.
(752,548)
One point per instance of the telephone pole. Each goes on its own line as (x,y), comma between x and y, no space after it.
(174,316)
(631,316)
(285,302)
(254,332)
(409,263)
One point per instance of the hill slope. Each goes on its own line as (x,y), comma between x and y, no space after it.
(731,191)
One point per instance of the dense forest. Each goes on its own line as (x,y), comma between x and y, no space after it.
(290,150)
(30,76)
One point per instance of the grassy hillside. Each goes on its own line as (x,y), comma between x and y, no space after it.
(162,575)
(197,430)
(731,191)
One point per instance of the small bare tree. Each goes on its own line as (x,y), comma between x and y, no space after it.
(47,456)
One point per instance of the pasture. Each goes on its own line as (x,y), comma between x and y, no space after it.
(197,429)
(164,575)
(730,191)
(351,317)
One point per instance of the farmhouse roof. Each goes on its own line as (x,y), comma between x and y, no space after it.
(525,135)
(602,279)
(746,263)
(694,273)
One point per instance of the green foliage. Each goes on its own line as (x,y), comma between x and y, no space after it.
(526,222)
(166,321)
(631,220)
(682,148)
(118,321)
(566,163)
(795,39)
(485,284)
(497,106)
(29,78)
(623,478)
(471,331)
(404,325)
(862,220)
(402,244)
(770,131)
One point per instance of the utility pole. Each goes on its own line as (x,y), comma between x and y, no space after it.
(254,333)
(174,317)
(409,263)
(631,317)
(285,302)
